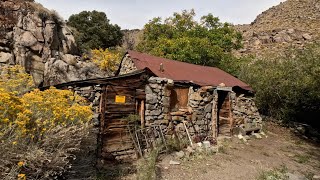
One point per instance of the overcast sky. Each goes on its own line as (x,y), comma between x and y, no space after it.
(133,14)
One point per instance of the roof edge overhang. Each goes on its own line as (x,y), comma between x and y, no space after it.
(98,81)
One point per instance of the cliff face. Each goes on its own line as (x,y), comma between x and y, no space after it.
(291,23)
(131,38)
(40,41)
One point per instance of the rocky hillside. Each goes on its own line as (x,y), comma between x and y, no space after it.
(131,38)
(291,23)
(40,41)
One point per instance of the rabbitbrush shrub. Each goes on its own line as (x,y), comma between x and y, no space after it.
(39,130)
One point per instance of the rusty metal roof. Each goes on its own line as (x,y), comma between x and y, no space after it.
(186,72)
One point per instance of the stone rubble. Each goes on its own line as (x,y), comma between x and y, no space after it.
(257,136)
(174,162)
(316,177)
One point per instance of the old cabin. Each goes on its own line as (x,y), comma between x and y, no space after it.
(152,99)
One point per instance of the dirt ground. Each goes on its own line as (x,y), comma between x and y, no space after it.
(279,151)
(246,161)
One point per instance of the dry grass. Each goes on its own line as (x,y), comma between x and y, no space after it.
(275,174)
(45,159)
(147,167)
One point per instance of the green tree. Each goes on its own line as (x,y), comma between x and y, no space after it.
(287,85)
(94,31)
(180,37)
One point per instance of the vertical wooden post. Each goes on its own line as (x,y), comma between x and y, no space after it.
(142,114)
(137,108)
(102,109)
(230,113)
(214,117)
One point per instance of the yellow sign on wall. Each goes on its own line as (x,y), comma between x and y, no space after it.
(120,99)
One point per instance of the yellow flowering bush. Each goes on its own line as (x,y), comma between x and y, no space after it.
(10,107)
(39,130)
(22,177)
(44,110)
(106,59)
(14,79)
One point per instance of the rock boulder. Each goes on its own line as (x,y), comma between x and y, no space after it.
(40,41)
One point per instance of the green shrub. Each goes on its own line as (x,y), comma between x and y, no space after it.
(287,86)
(275,174)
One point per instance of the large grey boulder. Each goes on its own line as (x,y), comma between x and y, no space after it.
(44,45)
(5,57)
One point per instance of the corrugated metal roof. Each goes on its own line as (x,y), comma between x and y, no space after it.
(186,72)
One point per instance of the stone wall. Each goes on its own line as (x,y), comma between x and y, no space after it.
(127,65)
(197,115)
(201,101)
(157,104)
(245,112)
(92,94)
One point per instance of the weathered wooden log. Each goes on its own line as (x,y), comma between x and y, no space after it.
(142,111)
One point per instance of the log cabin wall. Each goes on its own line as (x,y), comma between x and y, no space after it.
(117,104)
(120,100)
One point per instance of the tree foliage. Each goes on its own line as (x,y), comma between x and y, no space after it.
(180,37)
(106,59)
(287,86)
(94,30)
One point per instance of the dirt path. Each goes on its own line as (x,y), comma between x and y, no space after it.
(237,160)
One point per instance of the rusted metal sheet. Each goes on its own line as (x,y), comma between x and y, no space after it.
(186,72)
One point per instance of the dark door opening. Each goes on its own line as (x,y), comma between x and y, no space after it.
(224,119)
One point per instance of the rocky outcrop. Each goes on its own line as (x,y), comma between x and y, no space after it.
(292,23)
(131,38)
(40,41)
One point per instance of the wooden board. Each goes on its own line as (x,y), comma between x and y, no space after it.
(179,98)
(116,138)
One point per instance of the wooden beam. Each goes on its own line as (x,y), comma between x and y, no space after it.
(230,115)
(142,114)
(214,117)
(103,109)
